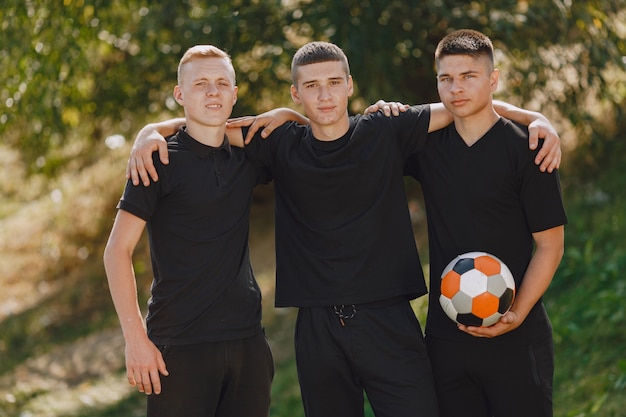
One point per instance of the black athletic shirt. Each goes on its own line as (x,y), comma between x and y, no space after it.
(486,197)
(343,232)
(197,219)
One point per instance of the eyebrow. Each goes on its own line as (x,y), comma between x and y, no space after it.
(338,78)
(202,78)
(463,73)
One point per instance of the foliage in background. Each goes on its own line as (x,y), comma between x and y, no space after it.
(89,68)
(77,71)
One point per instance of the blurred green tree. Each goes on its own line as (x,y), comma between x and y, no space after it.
(87,68)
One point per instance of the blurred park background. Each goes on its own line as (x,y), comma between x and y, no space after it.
(79,78)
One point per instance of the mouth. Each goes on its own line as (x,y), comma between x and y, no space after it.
(213,106)
(459,102)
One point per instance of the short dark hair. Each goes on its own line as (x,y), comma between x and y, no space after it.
(316,52)
(465,42)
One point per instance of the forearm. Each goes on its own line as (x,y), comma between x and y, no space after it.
(440,117)
(123,288)
(294,116)
(264,122)
(539,273)
(118,264)
(517,114)
(164,128)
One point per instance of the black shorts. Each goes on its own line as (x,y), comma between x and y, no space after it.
(380,351)
(489,379)
(221,379)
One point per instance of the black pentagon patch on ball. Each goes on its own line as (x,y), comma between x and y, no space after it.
(469,320)
(463,265)
(505,301)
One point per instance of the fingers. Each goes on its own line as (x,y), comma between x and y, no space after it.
(389,108)
(137,171)
(552,159)
(373,108)
(131,170)
(142,171)
(147,381)
(254,127)
(240,121)
(533,137)
(154,374)
(163,155)
(155,382)
(145,165)
(549,161)
(267,124)
(143,382)
(397,108)
(269,128)
(487,332)
(549,156)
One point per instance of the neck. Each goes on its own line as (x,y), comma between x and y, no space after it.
(207,135)
(331,132)
(472,128)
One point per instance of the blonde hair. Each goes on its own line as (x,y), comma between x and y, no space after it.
(204,51)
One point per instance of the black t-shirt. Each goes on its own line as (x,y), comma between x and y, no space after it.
(343,231)
(197,219)
(486,197)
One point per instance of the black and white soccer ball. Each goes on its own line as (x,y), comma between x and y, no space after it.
(477,289)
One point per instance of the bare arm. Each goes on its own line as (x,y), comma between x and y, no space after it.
(144,361)
(539,274)
(272,119)
(440,117)
(149,139)
(152,138)
(267,121)
(549,156)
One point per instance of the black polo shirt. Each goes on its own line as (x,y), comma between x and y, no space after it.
(197,219)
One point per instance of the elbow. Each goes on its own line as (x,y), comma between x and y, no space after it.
(107,255)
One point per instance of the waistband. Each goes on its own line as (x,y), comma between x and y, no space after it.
(379,303)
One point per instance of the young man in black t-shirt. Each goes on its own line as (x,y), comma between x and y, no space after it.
(202,351)
(483,192)
(345,251)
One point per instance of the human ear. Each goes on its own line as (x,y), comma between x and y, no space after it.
(178,95)
(493,79)
(294,95)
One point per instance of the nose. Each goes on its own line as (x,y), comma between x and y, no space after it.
(212,89)
(455,86)
(324,93)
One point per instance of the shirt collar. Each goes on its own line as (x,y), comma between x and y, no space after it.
(201,149)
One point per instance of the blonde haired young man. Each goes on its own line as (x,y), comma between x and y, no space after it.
(202,351)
